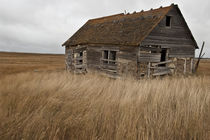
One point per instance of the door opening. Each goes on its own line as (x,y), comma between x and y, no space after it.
(163,56)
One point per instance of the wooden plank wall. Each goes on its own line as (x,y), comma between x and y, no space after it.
(93,57)
(127,58)
(177,37)
(69,57)
(149,57)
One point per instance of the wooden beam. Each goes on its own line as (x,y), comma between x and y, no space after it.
(197,64)
(185,65)
(78,58)
(191,65)
(109,60)
(114,71)
(144,48)
(148,70)
(161,73)
(79,66)
(150,57)
(160,67)
(164,62)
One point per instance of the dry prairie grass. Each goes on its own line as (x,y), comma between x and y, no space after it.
(204,67)
(64,106)
(12,63)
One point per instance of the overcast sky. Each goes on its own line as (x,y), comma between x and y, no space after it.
(41,26)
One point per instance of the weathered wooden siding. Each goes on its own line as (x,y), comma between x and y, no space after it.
(177,37)
(177,40)
(127,61)
(149,57)
(69,57)
(93,57)
(76,63)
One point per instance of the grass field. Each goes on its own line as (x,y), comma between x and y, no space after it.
(11,63)
(42,101)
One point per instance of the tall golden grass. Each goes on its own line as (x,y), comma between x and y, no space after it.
(65,106)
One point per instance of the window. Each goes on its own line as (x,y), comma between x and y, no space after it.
(112,56)
(78,56)
(109,57)
(81,56)
(106,57)
(168,21)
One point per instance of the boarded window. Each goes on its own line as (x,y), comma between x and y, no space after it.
(168,21)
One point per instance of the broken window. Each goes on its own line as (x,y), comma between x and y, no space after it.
(106,56)
(112,57)
(109,57)
(81,56)
(168,21)
(78,56)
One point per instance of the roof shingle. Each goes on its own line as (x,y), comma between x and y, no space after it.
(120,29)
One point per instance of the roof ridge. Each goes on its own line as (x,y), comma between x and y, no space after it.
(120,14)
(129,14)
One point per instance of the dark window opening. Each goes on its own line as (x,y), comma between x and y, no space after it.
(106,54)
(163,56)
(109,57)
(112,56)
(81,53)
(81,59)
(168,21)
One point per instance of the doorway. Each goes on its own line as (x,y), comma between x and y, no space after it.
(163,56)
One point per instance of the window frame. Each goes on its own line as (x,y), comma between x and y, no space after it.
(109,61)
(79,57)
(170,20)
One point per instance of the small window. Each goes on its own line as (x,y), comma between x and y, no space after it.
(168,21)
(78,56)
(81,54)
(109,57)
(112,55)
(106,54)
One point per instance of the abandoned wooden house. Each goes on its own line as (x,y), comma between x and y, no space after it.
(146,43)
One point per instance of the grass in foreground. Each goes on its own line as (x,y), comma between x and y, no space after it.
(63,106)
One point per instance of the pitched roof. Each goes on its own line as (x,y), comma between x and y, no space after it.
(121,29)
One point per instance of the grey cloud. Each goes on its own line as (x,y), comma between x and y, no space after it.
(43,25)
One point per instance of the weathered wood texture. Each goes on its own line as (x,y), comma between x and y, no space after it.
(127,61)
(149,57)
(174,43)
(69,57)
(182,65)
(177,37)
(74,62)
(94,55)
